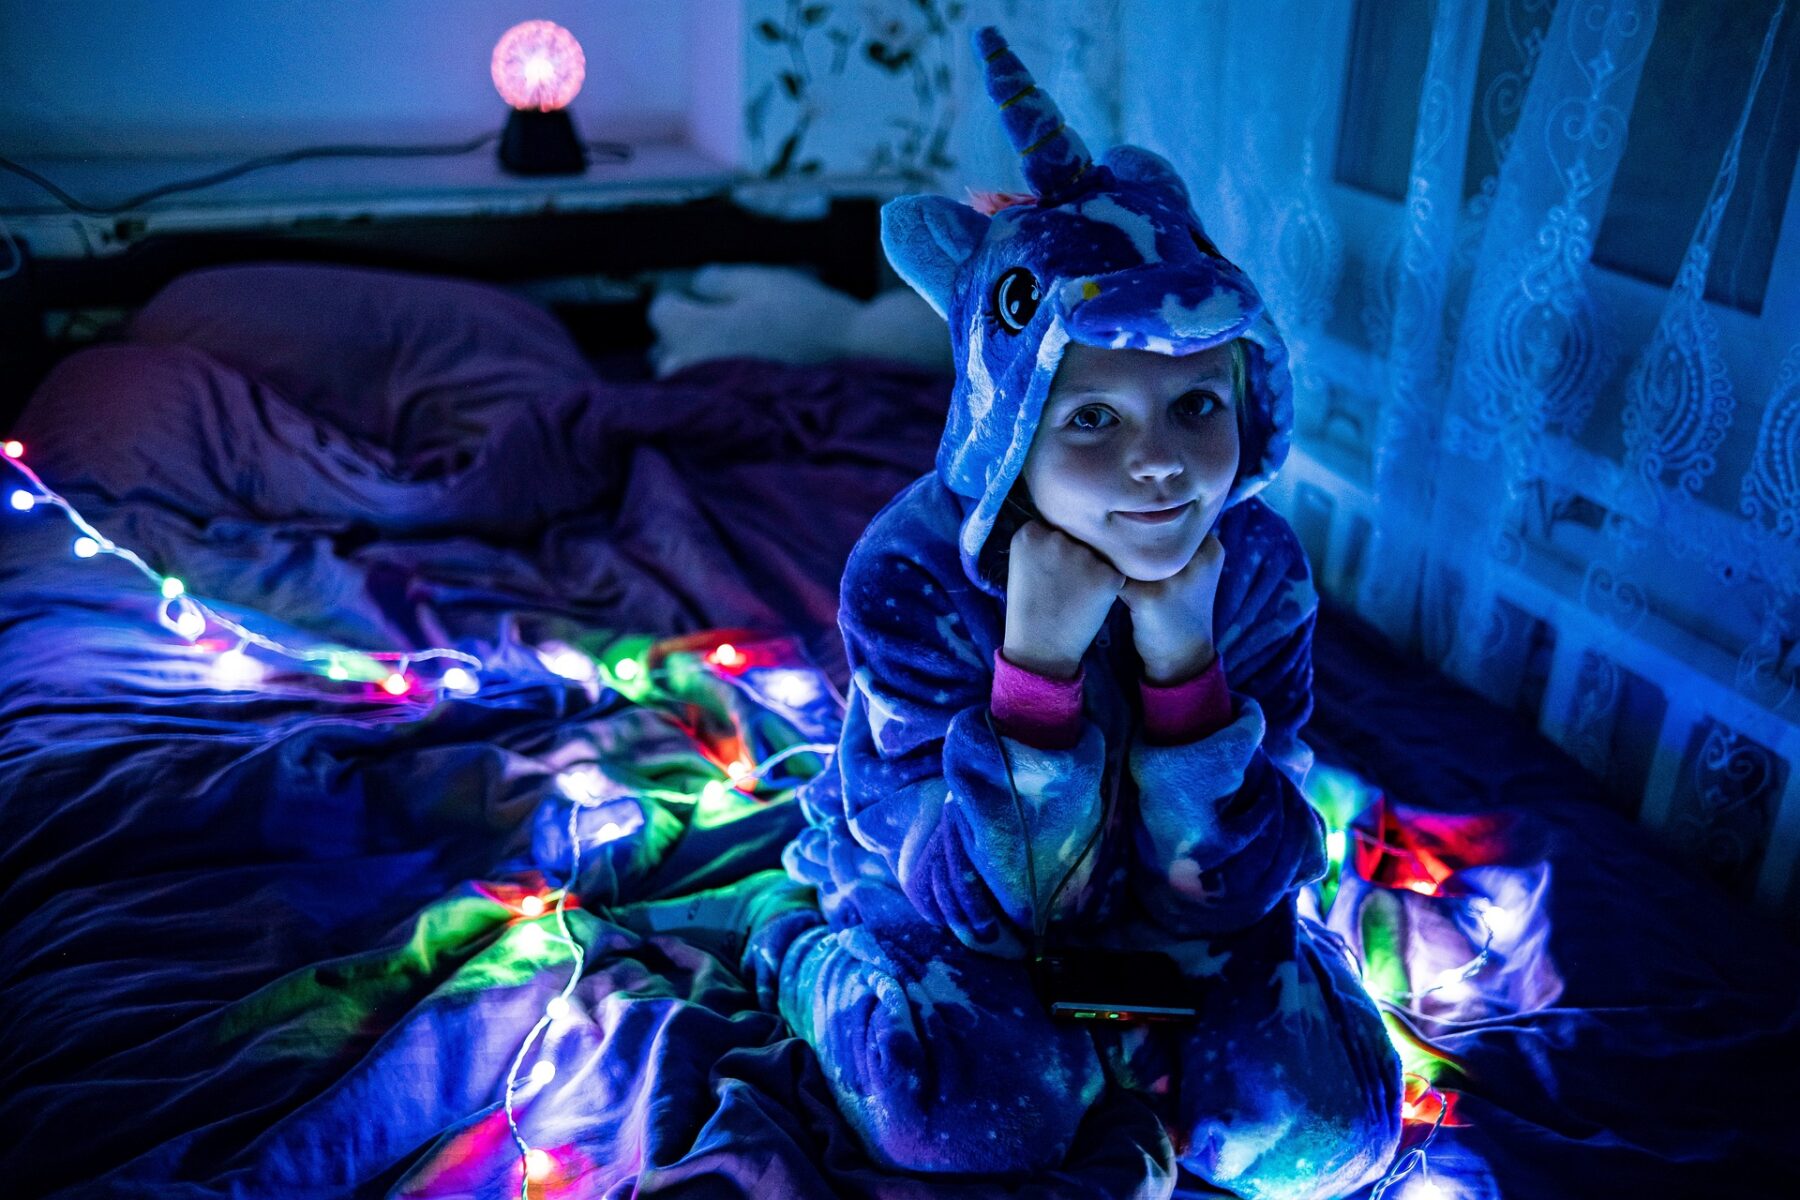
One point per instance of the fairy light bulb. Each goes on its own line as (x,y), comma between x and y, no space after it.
(336,671)
(460,681)
(1503,923)
(584,783)
(543,1071)
(532,906)
(557,1009)
(1451,985)
(22,500)
(1335,845)
(727,655)
(628,669)
(795,689)
(612,831)
(713,792)
(235,669)
(738,769)
(86,547)
(568,662)
(13,448)
(395,684)
(172,587)
(538,1165)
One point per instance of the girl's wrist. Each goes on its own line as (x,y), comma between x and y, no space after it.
(1048,666)
(1170,670)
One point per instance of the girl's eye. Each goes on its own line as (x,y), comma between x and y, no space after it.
(1198,404)
(1090,418)
(1015,299)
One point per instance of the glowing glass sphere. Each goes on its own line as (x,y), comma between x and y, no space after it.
(628,669)
(395,685)
(543,1071)
(172,587)
(538,1165)
(532,906)
(86,547)
(557,1009)
(23,501)
(13,449)
(538,64)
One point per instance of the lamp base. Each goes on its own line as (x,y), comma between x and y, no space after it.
(541,143)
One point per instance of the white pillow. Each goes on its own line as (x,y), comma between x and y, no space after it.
(733,311)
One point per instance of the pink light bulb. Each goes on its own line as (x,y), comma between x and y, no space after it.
(538,64)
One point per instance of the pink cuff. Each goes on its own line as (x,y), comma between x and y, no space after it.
(1036,709)
(1185,712)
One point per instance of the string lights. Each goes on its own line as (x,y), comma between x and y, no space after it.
(646,671)
(625,668)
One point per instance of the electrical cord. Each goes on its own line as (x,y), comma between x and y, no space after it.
(614,152)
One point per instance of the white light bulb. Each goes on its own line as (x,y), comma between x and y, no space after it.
(533,940)
(190,624)
(612,831)
(567,661)
(460,681)
(13,449)
(795,689)
(336,671)
(23,500)
(713,792)
(1503,923)
(172,587)
(543,1071)
(1450,985)
(628,669)
(234,668)
(86,547)
(737,769)
(1335,845)
(395,684)
(584,783)
(538,1165)
(557,1009)
(532,906)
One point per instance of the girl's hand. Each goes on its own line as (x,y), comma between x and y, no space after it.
(1058,592)
(1172,619)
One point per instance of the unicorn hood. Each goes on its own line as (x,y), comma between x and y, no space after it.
(1108,253)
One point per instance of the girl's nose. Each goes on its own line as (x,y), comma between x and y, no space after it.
(1153,462)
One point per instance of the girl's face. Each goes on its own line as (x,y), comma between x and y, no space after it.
(1136,453)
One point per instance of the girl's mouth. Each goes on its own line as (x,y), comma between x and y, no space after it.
(1160,516)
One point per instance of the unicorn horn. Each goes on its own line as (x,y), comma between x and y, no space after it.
(1052,154)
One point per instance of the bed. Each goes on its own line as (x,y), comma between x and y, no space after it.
(283,932)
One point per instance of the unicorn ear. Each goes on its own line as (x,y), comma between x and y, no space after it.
(1134,164)
(927,238)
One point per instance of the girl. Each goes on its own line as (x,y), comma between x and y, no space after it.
(1081,655)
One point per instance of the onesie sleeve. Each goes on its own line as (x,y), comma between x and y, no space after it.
(926,768)
(1223,830)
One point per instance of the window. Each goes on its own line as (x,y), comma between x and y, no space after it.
(1688,100)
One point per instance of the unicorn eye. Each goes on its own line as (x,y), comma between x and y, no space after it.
(1015,299)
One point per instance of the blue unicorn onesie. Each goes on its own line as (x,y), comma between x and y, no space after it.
(910,979)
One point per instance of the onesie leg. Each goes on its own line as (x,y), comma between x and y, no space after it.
(1290,1088)
(941,1059)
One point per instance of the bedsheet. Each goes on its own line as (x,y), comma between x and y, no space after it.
(276,941)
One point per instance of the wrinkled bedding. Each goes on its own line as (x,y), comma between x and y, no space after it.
(257,943)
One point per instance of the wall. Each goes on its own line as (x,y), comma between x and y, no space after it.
(173,77)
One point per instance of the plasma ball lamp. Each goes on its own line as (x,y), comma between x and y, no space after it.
(538,68)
